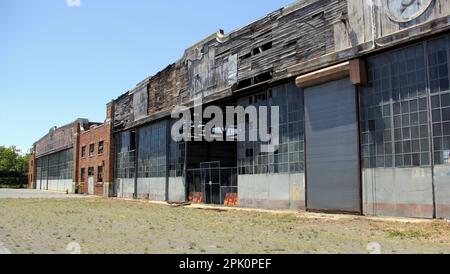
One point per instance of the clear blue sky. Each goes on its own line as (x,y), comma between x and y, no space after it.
(58,63)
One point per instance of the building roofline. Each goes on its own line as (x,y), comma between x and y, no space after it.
(78,120)
(296,5)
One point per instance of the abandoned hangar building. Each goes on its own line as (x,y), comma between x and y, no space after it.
(364,99)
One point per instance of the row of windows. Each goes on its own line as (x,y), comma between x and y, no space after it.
(438,56)
(101,148)
(125,167)
(125,154)
(151,153)
(289,156)
(407,89)
(57,166)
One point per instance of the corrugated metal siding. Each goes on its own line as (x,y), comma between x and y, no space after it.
(332,162)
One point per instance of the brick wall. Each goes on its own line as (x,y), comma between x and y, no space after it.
(94,136)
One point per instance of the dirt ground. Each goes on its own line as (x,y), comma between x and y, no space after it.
(113,226)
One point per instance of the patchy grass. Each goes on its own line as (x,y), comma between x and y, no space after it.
(413,234)
(111,226)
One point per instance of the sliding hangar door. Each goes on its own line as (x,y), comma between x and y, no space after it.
(405,131)
(54,171)
(332,148)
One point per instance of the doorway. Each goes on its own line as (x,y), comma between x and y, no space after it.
(333,180)
(212,184)
(91,181)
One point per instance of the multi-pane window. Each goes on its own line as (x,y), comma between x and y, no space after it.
(56,166)
(83,175)
(44,168)
(438,56)
(125,155)
(101,147)
(91,150)
(406,90)
(394,111)
(99,174)
(90,172)
(152,151)
(53,167)
(83,151)
(176,158)
(289,158)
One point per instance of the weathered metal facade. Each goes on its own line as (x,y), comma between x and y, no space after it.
(393,148)
(392,151)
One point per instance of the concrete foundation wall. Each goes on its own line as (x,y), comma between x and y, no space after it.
(177,190)
(125,188)
(107,190)
(152,188)
(405,192)
(277,191)
(442,187)
(55,185)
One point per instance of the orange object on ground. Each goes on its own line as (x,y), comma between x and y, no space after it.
(196,197)
(231,199)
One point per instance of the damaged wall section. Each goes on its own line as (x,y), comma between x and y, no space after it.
(258,53)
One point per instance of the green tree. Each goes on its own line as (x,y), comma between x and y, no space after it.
(13,165)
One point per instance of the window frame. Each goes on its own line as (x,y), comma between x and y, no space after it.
(101,147)
(91,150)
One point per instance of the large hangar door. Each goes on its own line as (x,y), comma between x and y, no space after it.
(332,151)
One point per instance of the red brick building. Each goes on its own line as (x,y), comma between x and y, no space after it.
(94,154)
(85,150)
